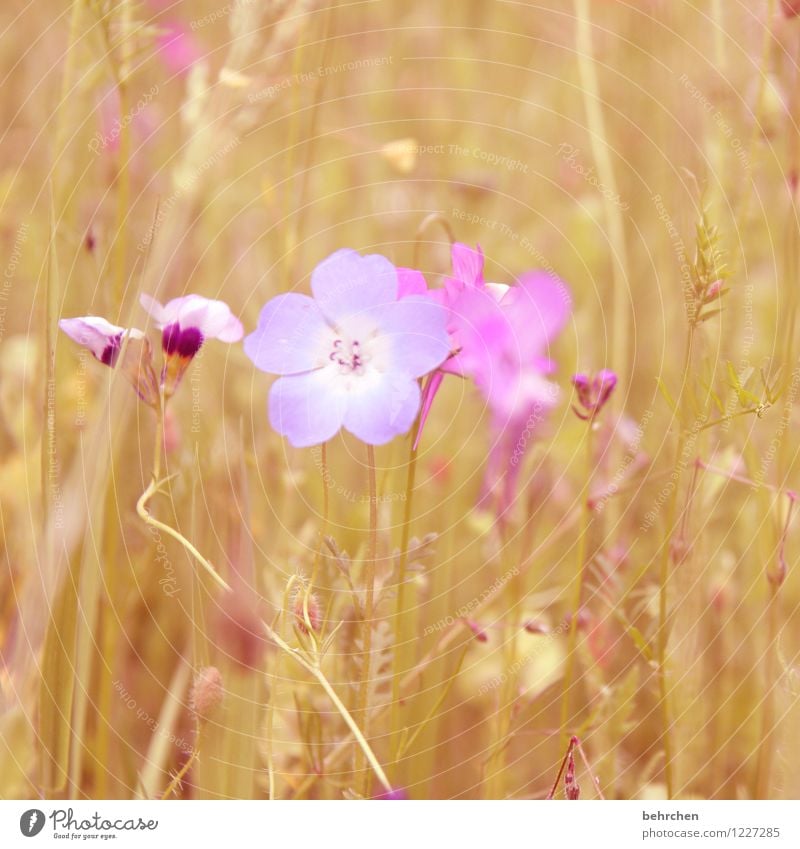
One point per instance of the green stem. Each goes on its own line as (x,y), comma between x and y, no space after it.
(369,613)
(400,604)
(123,170)
(663,583)
(577,592)
(766,744)
(600,150)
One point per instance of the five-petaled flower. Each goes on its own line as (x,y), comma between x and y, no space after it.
(593,392)
(350,356)
(186,323)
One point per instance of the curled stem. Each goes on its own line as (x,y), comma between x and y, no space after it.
(153,487)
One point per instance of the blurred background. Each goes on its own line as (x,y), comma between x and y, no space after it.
(225,149)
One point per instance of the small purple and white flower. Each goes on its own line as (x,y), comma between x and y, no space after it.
(350,356)
(185,324)
(106,341)
(102,338)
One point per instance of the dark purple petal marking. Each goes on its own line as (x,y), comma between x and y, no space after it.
(181,342)
(111,351)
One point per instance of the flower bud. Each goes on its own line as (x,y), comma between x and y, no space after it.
(306,611)
(206,694)
(593,392)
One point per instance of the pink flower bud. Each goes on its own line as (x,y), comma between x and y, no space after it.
(206,694)
(306,604)
(593,392)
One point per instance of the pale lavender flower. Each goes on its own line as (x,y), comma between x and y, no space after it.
(350,356)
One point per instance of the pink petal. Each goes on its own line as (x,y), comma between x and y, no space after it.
(308,408)
(410,282)
(291,336)
(379,410)
(346,283)
(542,303)
(467,264)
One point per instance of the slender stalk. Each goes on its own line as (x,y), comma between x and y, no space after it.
(744,201)
(439,651)
(178,777)
(772,672)
(153,487)
(605,171)
(578,584)
(369,613)
(311,134)
(358,735)
(398,661)
(766,745)
(123,170)
(573,742)
(663,582)
(494,785)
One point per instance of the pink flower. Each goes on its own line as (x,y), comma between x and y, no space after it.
(106,341)
(501,334)
(500,337)
(351,355)
(185,324)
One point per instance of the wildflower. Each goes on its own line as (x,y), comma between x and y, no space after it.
(351,355)
(106,341)
(593,392)
(499,334)
(185,324)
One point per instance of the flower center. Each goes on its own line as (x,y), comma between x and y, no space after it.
(349,356)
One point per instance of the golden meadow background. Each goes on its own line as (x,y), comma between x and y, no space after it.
(585,138)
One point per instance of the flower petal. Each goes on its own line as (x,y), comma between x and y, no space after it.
(292,336)
(93,332)
(467,264)
(156,310)
(307,408)
(542,304)
(212,318)
(381,407)
(346,283)
(410,282)
(416,330)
